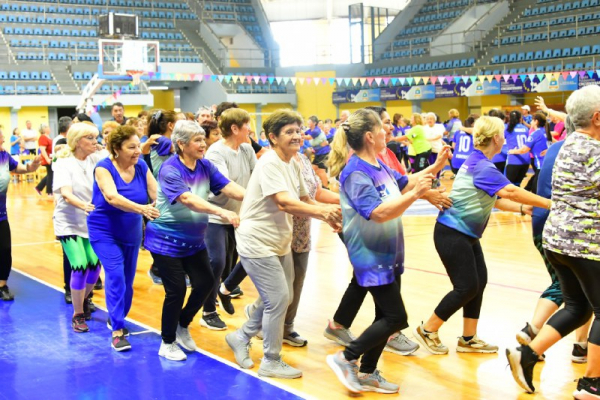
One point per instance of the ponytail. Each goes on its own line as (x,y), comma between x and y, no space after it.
(514,119)
(338,155)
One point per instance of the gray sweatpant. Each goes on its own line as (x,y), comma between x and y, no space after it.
(273,278)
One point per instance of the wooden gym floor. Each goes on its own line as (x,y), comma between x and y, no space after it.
(516,278)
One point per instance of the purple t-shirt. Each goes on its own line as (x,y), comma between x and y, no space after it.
(179,231)
(159,153)
(7,164)
(473,195)
(538,143)
(462,149)
(376,250)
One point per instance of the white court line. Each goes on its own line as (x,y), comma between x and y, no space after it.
(203,352)
(33,244)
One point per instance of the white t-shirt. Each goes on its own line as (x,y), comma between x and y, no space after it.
(79,175)
(28,134)
(237,166)
(433,131)
(264,230)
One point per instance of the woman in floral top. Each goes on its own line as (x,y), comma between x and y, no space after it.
(301,246)
(572,244)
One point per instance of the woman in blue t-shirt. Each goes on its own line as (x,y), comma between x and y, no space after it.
(499,160)
(122,186)
(516,135)
(373,198)
(462,144)
(176,238)
(456,236)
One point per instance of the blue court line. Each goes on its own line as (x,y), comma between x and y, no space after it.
(42,358)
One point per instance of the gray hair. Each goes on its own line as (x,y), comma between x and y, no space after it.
(64,123)
(431,115)
(184,131)
(582,104)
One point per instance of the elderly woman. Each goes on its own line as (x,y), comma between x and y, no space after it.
(421,146)
(73,182)
(452,126)
(373,198)
(122,186)
(107,129)
(435,135)
(8,165)
(235,159)
(276,192)
(213,133)
(475,193)
(571,236)
(176,238)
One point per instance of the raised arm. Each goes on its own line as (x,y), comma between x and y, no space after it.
(29,167)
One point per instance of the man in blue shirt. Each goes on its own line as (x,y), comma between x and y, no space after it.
(318,141)
(527,116)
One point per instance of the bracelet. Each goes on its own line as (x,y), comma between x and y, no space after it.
(522,213)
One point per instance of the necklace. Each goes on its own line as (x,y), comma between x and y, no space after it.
(83,165)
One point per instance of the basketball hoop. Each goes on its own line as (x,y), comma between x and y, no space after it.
(136,76)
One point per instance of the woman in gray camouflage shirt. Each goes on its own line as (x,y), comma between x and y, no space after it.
(572,245)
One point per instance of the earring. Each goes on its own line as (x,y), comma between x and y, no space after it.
(116,156)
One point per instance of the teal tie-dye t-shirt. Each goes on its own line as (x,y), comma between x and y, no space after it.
(376,250)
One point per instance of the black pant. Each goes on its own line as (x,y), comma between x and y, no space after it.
(5,250)
(580,284)
(462,257)
(237,275)
(501,166)
(421,161)
(66,271)
(47,180)
(391,316)
(532,183)
(173,271)
(516,173)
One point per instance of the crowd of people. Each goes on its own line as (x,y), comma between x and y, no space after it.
(213,203)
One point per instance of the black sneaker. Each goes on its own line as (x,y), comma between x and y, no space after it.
(6,294)
(78,323)
(98,285)
(68,297)
(587,388)
(525,335)
(237,292)
(119,343)
(225,301)
(213,321)
(521,361)
(579,354)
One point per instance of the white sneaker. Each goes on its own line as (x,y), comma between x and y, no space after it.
(184,339)
(171,351)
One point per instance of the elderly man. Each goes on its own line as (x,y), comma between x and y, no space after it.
(118,113)
(30,138)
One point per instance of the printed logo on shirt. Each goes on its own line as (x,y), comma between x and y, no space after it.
(383,191)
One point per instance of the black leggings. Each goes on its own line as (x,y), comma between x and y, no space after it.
(580,284)
(5,250)
(516,173)
(463,259)
(173,271)
(501,166)
(421,161)
(47,180)
(391,317)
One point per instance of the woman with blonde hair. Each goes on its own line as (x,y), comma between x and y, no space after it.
(475,193)
(453,125)
(72,187)
(418,139)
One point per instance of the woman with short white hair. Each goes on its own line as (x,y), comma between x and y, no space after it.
(571,240)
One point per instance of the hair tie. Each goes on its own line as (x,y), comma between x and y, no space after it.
(157,115)
(346,127)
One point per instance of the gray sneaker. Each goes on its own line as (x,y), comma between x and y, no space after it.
(241,350)
(376,383)
(278,369)
(184,339)
(345,370)
(341,336)
(401,345)
(294,339)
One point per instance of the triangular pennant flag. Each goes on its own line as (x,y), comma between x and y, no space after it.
(465,79)
(347,81)
(417,80)
(394,81)
(271,79)
(549,75)
(426,80)
(523,77)
(573,74)
(220,77)
(598,72)
(565,75)
(331,81)
(206,77)
(541,77)
(409,81)
(498,77)
(442,79)
(581,73)
(212,78)
(456,79)
(324,80)
(316,81)
(339,81)
(355,81)
(514,77)
(294,80)
(378,81)
(506,77)
(369,81)
(433,79)
(263,78)
(308,80)
(301,80)
(228,78)
(531,77)
(402,80)
(590,74)
(386,80)
(256,79)
(278,79)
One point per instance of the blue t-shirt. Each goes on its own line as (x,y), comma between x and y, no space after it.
(319,149)
(452,127)
(264,143)
(537,142)
(15,149)
(179,231)
(528,118)
(331,134)
(376,250)
(108,223)
(544,188)
(398,131)
(7,164)
(515,140)
(159,153)
(473,195)
(462,149)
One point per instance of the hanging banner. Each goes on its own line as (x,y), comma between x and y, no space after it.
(394,93)
(483,88)
(516,86)
(558,84)
(424,92)
(344,96)
(366,95)
(587,80)
(451,89)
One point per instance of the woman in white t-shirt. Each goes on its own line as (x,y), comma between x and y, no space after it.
(435,133)
(276,192)
(72,187)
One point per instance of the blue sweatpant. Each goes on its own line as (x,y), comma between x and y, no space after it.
(119,262)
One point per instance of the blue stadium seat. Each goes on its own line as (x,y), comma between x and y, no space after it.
(566,52)
(14,75)
(24,76)
(9,90)
(576,51)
